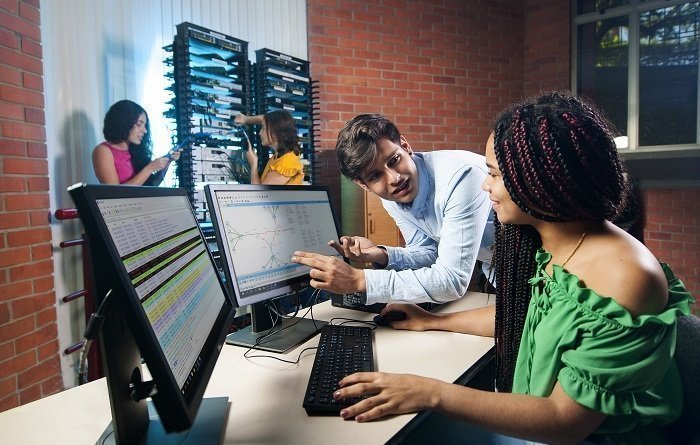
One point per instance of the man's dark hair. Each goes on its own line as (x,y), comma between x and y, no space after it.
(356,147)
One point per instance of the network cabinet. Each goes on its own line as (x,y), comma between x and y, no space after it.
(283,82)
(210,84)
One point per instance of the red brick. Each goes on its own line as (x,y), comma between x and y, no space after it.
(12,147)
(40,217)
(26,167)
(29,12)
(15,329)
(14,256)
(8,386)
(13,220)
(38,184)
(28,237)
(11,111)
(23,131)
(29,393)
(9,402)
(31,47)
(35,116)
(4,314)
(9,39)
(34,339)
(45,317)
(18,363)
(36,149)
(23,27)
(21,95)
(47,350)
(26,201)
(10,74)
(11,291)
(52,385)
(10,6)
(7,350)
(31,270)
(41,252)
(38,373)
(32,81)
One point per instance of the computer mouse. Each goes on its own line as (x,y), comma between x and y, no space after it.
(386,319)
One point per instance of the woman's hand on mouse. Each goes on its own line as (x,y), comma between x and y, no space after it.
(417,318)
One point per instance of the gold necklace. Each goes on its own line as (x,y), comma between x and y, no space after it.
(574,251)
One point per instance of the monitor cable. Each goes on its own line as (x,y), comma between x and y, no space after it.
(92,328)
(260,340)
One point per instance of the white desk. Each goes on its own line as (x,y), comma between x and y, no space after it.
(265,395)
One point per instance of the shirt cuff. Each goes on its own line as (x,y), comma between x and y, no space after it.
(381,266)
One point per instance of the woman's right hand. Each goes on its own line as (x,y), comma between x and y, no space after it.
(417,318)
(251,156)
(158,164)
(241,119)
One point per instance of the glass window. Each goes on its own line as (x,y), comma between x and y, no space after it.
(603,67)
(668,75)
(585,6)
(639,63)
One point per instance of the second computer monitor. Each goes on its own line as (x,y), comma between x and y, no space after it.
(259,227)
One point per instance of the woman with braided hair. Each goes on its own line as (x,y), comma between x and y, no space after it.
(585,316)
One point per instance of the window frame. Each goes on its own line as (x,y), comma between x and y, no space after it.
(683,159)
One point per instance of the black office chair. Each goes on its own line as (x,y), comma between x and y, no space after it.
(686,430)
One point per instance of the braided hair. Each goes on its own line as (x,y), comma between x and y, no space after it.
(119,120)
(548,150)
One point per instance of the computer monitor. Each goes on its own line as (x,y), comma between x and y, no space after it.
(258,228)
(167,307)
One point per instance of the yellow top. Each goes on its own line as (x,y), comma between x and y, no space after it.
(287,165)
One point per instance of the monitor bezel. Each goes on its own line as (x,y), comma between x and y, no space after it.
(177,411)
(229,271)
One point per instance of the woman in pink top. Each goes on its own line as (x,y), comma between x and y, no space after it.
(125,155)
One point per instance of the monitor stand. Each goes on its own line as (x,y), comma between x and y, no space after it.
(208,427)
(286,334)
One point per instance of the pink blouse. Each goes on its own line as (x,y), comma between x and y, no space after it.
(122,163)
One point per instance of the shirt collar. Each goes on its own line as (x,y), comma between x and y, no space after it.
(425,184)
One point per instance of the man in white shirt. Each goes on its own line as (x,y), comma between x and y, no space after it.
(437,203)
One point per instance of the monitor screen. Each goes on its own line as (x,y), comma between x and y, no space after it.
(149,251)
(261,227)
(258,228)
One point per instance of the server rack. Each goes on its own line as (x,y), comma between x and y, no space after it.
(283,82)
(211,84)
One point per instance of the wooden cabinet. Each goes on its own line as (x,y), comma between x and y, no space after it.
(364,215)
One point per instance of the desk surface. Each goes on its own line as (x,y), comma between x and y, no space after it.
(265,395)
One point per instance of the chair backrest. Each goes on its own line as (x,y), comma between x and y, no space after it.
(686,429)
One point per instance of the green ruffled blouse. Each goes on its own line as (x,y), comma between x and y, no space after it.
(603,357)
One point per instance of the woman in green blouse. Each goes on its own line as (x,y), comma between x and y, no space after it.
(585,316)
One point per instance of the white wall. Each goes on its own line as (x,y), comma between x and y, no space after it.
(97,52)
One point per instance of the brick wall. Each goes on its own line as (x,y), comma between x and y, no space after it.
(547,46)
(671,231)
(29,363)
(431,66)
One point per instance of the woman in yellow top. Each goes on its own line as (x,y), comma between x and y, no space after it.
(277,130)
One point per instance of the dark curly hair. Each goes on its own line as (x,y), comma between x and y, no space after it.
(559,162)
(119,120)
(281,125)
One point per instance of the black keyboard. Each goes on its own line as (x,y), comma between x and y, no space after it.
(342,350)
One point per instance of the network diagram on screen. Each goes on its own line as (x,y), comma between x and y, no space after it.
(264,229)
